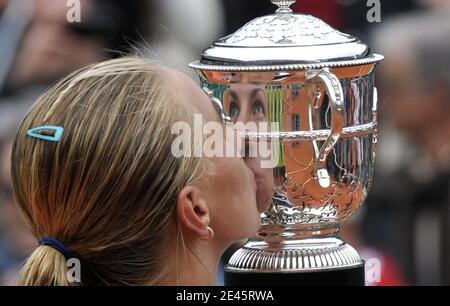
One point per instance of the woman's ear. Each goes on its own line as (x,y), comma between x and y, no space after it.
(192,211)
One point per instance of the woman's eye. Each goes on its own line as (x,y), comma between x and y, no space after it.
(258,108)
(234,110)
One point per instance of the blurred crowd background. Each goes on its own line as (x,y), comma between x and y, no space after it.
(405,222)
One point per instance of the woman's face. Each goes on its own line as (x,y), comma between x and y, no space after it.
(230,189)
(248,103)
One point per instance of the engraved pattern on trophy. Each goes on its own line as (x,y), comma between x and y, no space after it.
(283,29)
(288,67)
(299,199)
(335,254)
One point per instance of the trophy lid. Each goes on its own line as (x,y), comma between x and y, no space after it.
(285,41)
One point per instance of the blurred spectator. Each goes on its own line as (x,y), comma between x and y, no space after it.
(39,45)
(376,257)
(435,4)
(183,29)
(16,240)
(355,14)
(409,208)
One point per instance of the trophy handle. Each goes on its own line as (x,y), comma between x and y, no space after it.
(218,105)
(336,96)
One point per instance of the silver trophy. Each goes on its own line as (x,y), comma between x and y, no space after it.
(318,85)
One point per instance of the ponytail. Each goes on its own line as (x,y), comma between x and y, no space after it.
(45,267)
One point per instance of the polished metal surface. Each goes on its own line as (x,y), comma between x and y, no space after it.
(285,30)
(315,87)
(347,132)
(217,105)
(256,56)
(311,255)
(335,135)
(336,106)
(285,39)
(284,6)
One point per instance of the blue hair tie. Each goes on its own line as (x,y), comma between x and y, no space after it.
(55,137)
(57,245)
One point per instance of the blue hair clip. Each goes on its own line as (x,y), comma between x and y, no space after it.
(56,130)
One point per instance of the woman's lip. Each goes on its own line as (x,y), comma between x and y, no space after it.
(259,178)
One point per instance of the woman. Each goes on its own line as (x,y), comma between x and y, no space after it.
(93,173)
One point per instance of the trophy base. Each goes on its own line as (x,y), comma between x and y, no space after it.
(301,262)
(354,276)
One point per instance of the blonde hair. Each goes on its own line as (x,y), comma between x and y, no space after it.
(107,190)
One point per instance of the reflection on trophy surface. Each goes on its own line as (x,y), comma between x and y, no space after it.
(301,193)
(314,88)
(248,103)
